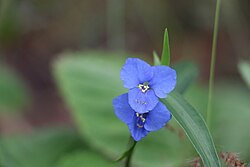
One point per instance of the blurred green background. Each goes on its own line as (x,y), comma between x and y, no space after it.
(59,59)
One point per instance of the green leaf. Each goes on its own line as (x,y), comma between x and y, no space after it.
(187,74)
(157,61)
(13,95)
(244,68)
(88,82)
(84,159)
(165,56)
(39,149)
(195,128)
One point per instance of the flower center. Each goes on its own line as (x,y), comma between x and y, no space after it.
(143,87)
(141,118)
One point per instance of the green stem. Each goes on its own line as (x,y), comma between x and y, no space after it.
(129,157)
(212,65)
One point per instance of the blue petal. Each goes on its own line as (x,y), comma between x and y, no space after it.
(142,102)
(134,72)
(164,80)
(157,118)
(136,132)
(122,109)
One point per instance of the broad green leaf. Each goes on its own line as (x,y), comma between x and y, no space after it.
(165,56)
(89,82)
(84,159)
(187,73)
(39,149)
(244,68)
(195,128)
(13,95)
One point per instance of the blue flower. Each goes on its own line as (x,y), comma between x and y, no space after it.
(146,84)
(140,124)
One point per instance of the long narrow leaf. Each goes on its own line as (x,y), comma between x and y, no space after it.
(165,56)
(195,128)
